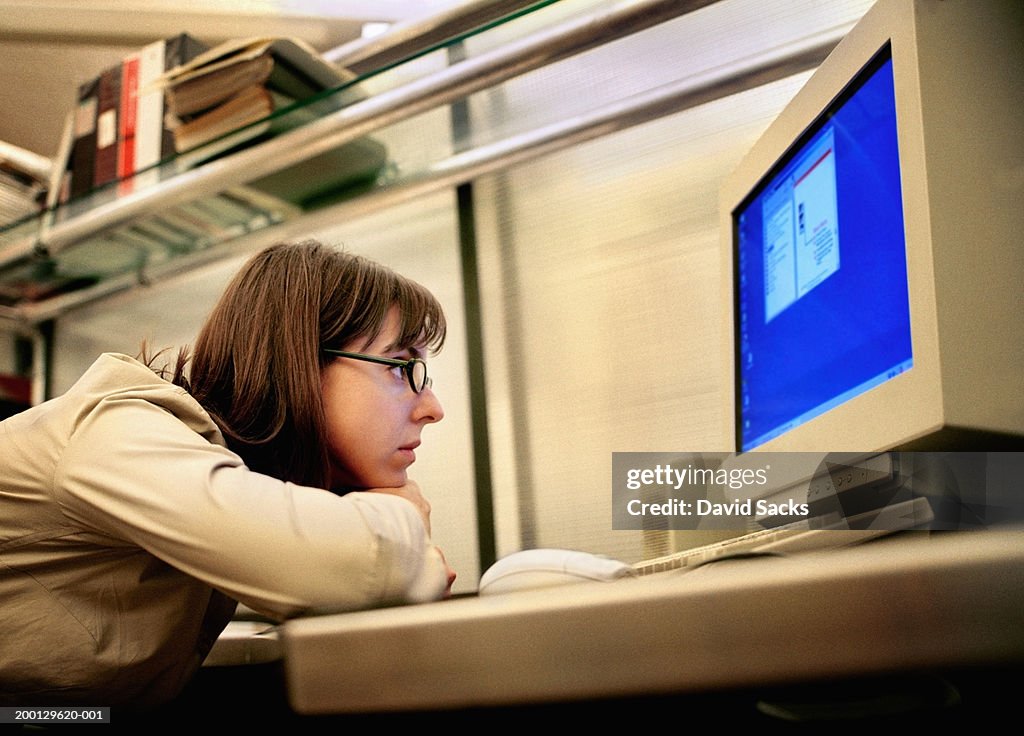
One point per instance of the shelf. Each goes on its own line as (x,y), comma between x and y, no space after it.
(109,221)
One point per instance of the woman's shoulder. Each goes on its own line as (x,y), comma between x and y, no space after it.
(116,380)
(117,373)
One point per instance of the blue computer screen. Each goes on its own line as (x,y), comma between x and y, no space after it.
(821,302)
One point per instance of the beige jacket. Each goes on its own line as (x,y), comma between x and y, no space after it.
(123,518)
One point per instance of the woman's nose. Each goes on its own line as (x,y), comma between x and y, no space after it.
(428,406)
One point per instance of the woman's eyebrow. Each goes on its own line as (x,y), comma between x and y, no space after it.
(413,350)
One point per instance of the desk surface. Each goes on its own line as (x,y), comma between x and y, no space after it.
(955,599)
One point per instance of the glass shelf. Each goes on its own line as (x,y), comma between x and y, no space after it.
(243,183)
(219,200)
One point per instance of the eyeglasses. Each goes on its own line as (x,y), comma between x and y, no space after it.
(415,369)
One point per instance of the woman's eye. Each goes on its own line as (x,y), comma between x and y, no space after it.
(396,371)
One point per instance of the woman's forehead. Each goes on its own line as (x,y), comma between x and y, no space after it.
(395,333)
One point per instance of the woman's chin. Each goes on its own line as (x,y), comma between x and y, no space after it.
(386,480)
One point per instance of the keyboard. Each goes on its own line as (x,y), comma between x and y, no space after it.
(797,537)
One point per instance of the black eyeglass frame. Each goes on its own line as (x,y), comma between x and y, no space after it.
(407,366)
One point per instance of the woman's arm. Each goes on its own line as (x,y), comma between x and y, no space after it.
(411,491)
(139,474)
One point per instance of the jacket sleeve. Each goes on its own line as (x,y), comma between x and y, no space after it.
(136,473)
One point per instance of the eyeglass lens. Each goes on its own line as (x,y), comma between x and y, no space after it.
(418,375)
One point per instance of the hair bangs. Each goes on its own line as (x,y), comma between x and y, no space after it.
(421,319)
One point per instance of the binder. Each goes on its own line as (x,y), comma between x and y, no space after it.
(108,105)
(128,116)
(82,160)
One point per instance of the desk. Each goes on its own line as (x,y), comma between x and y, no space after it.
(909,603)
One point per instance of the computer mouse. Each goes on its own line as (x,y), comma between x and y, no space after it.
(531,569)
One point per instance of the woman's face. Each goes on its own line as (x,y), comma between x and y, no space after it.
(374,418)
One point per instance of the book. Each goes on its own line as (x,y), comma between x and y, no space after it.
(252,114)
(108,105)
(250,105)
(198,94)
(83,149)
(127,116)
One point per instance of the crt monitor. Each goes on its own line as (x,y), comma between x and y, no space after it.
(871,241)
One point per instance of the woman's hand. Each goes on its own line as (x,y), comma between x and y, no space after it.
(411,492)
(451,574)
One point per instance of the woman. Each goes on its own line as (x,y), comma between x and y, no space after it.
(135,511)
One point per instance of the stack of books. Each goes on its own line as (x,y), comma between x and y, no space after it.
(241,82)
(248,90)
(24,182)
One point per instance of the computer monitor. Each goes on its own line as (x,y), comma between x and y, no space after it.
(871,239)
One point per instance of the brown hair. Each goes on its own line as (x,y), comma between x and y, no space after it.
(257,361)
